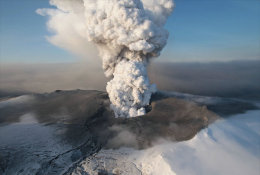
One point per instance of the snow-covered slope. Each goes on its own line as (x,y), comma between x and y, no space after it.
(229,146)
(58,133)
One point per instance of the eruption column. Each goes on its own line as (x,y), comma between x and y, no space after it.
(129,91)
(127,34)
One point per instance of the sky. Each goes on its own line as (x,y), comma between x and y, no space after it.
(200,31)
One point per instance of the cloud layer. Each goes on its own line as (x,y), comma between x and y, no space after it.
(229,79)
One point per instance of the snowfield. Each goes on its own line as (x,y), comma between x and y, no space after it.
(48,134)
(229,146)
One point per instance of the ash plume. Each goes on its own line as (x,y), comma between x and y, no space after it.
(127,34)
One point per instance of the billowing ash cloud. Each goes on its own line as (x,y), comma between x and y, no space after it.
(127,34)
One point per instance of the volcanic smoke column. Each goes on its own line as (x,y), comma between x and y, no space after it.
(127,33)
(127,36)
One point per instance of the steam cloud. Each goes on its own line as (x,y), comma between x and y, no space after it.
(127,34)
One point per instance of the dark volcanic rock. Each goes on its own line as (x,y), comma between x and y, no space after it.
(168,118)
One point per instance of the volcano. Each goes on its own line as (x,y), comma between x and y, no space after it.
(55,131)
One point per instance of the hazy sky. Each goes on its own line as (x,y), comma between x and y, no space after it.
(201,30)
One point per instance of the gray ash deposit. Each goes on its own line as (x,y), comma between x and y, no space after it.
(52,132)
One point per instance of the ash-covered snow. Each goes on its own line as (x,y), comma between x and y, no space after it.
(229,146)
(63,132)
